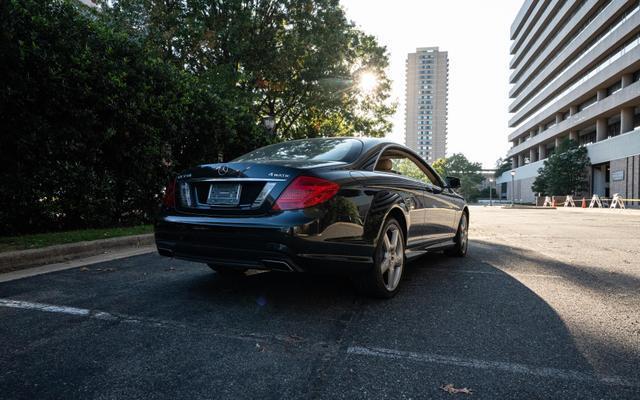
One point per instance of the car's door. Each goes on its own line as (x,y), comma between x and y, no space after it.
(455,205)
(443,215)
(436,225)
(391,164)
(416,201)
(411,173)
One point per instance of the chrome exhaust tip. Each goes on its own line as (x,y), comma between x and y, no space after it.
(278,265)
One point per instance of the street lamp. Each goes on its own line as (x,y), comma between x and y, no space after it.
(513,187)
(490,192)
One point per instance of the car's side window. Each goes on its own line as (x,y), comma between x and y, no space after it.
(399,163)
(408,168)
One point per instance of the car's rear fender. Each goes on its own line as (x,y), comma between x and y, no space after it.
(385,204)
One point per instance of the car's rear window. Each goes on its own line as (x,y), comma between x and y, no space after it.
(334,149)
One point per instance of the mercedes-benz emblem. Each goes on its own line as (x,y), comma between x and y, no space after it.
(222,170)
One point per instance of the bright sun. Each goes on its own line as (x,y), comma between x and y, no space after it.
(367,82)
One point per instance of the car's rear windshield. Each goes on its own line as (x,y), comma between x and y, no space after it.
(321,150)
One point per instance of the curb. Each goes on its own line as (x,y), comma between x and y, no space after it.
(522,207)
(21,259)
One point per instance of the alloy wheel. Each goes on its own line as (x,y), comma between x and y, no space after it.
(392,261)
(464,233)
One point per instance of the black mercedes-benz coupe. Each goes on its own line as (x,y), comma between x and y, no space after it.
(357,205)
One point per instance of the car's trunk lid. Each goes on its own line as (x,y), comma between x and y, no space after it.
(233,188)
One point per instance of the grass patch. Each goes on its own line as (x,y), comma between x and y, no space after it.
(9,243)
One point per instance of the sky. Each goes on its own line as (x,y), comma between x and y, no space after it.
(476,35)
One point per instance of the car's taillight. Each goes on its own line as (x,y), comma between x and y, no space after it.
(169,199)
(306,191)
(185,194)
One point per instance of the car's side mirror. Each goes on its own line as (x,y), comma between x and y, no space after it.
(452,182)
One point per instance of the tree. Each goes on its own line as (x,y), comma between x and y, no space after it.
(564,171)
(502,165)
(300,61)
(440,165)
(100,107)
(486,194)
(469,173)
(94,122)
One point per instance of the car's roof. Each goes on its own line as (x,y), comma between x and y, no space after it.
(367,142)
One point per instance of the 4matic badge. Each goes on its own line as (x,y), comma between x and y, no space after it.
(274,175)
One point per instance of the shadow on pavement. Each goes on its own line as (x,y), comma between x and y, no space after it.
(458,308)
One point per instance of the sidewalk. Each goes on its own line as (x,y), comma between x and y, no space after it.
(21,259)
(81,262)
(633,211)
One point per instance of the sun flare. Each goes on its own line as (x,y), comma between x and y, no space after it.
(367,83)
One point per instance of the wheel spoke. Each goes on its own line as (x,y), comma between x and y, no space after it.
(384,265)
(393,278)
(390,276)
(394,239)
(387,244)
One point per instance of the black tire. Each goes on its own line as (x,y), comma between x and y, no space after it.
(228,272)
(459,249)
(383,280)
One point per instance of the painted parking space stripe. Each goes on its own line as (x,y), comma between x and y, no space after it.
(152,322)
(515,368)
(503,273)
(83,312)
(43,307)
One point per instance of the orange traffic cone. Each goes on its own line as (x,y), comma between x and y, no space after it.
(584,203)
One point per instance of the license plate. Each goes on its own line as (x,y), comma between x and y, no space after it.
(224,194)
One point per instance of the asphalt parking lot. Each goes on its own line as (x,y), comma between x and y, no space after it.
(546,305)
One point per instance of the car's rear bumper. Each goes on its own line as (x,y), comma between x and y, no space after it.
(276,243)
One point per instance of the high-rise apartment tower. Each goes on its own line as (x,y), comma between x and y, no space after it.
(426,102)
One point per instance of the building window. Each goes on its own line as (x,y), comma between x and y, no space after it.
(614,88)
(613,126)
(587,103)
(587,138)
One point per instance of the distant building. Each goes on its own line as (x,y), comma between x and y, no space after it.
(426,103)
(575,71)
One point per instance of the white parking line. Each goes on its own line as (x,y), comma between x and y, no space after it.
(515,368)
(83,312)
(515,274)
(106,316)
(44,307)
